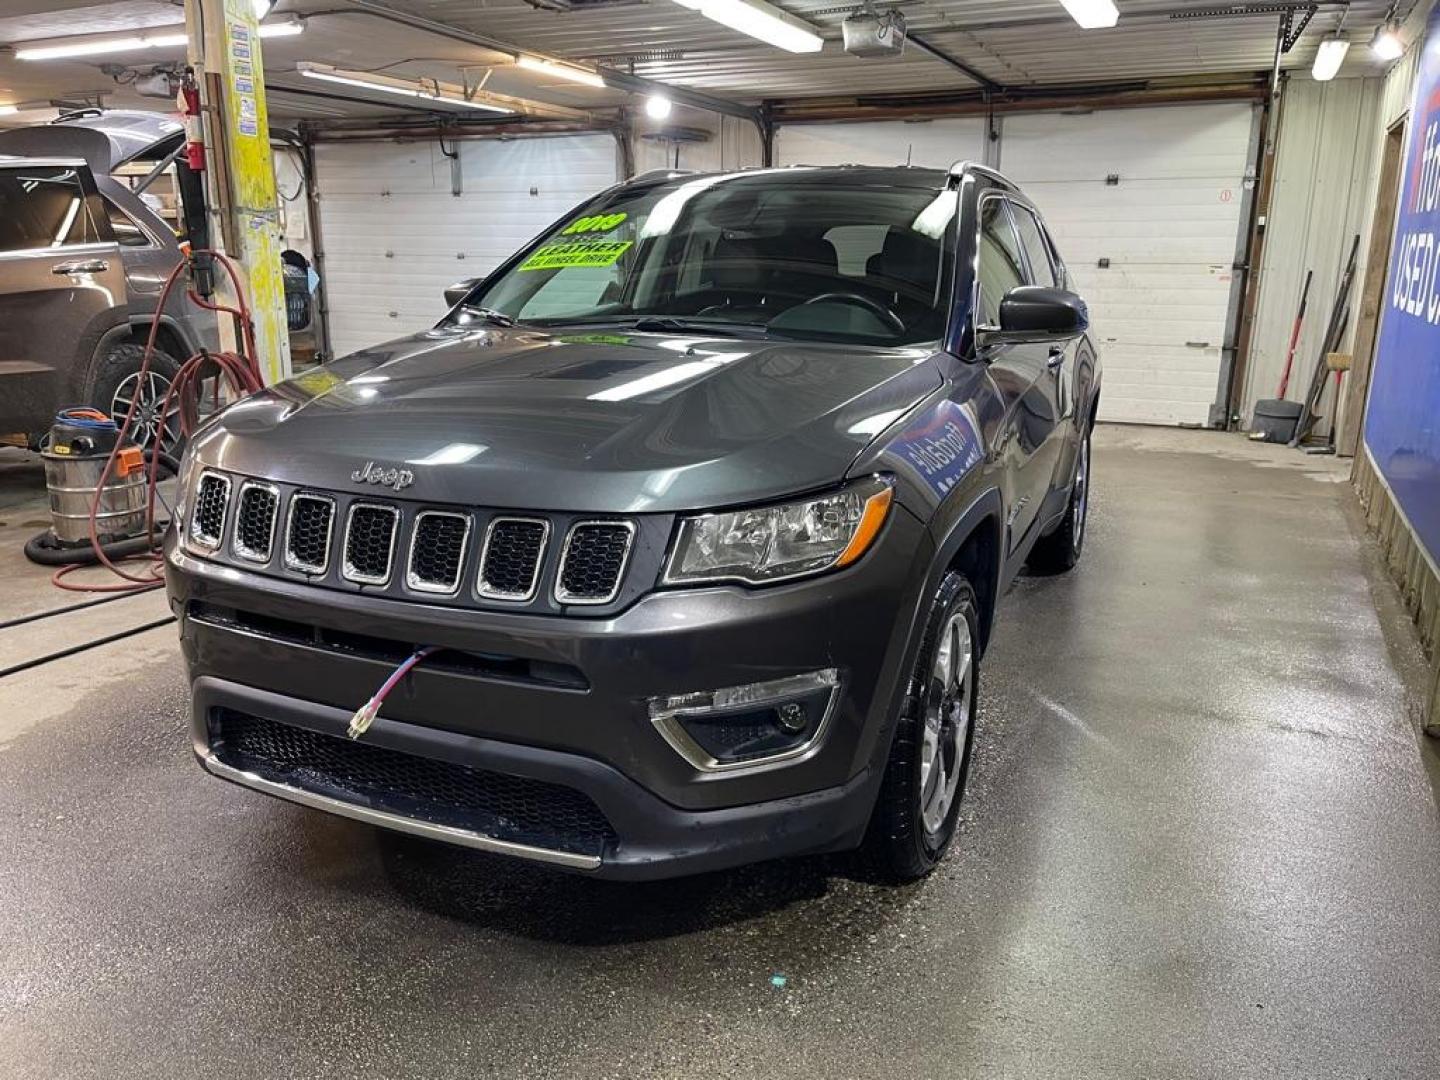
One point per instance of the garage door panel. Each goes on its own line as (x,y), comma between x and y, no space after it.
(933,144)
(1168,227)
(396,235)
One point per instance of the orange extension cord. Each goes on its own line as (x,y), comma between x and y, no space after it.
(241,373)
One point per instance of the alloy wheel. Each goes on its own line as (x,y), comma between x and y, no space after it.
(947,721)
(146,422)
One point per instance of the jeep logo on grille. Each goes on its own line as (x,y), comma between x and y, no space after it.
(391,477)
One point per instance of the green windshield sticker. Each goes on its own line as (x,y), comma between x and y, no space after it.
(577,253)
(595,223)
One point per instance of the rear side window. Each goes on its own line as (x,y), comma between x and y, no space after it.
(1001,266)
(1041,265)
(127,230)
(47,206)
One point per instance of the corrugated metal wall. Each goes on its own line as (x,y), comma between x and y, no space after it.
(1326,167)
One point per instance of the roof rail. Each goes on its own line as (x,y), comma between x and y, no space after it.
(658,174)
(965,165)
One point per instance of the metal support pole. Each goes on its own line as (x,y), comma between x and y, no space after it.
(240,168)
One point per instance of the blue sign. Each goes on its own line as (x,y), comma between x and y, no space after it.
(942,445)
(1402,423)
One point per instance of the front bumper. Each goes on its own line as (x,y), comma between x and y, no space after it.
(592,734)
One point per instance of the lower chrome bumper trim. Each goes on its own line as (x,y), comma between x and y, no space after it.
(447,833)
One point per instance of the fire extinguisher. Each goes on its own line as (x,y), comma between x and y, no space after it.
(189,104)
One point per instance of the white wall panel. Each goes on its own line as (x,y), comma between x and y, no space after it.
(395,235)
(1169,227)
(1326,169)
(934,144)
(734,144)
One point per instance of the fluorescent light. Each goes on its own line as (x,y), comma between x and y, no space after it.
(657,106)
(1386,45)
(168,38)
(1328,59)
(1092,14)
(762,21)
(262,8)
(283,28)
(9,110)
(584,76)
(436,92)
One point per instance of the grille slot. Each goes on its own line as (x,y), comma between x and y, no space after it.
(208,521)
(437,551)
(510,561)
(593,561)
(506,807)
(255,514)
(308,529)
(370,543)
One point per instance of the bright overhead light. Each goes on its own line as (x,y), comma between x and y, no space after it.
(657,106)
(167,38)
(9,110)
(762,21)
(439,93)
(1328,59)
(1386,44)
(262,8)
(583,76)
(1092,14)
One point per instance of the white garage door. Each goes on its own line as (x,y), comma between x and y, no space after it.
(933,144)
(395,235)
(1168,226)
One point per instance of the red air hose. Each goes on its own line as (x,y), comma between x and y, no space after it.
(241,373)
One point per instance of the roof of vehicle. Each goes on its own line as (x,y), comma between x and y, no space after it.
(895,175)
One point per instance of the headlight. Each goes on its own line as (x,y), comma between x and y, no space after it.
(183,479)
(773,543)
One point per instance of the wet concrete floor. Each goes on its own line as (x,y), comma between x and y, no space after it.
(1200,841)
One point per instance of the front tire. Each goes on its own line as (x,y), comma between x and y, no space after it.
(1060,551)
(117,383)
(914,820)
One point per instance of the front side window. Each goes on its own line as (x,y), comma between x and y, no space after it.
(1042,268)
(1001,266)
(46,206)
(127,230)
(748,254)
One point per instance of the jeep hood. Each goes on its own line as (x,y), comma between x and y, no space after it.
(586,422)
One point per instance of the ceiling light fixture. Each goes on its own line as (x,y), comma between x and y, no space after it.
(1386,44)
(1328,59)
(657,106)
(66,49)
(1092,14)
(9,110)
(583,76)
(262,8)
(762,21)
(440,93)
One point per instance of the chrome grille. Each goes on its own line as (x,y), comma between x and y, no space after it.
(208,520)
(510,561)
(255,514)
(437,551)
(308,528)
(593,561)
(369,543)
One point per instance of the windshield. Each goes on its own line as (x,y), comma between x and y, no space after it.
(754,253)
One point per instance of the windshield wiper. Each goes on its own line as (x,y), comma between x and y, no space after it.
(666,324)
(490,315)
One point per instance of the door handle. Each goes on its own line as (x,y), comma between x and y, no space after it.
(81,266)
(1056,357)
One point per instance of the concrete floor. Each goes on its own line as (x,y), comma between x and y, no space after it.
(1200,841)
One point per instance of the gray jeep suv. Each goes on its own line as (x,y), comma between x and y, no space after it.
(675,545)
(82,261)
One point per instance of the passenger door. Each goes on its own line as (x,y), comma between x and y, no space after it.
(1023,374)
(61,279)
(1046,270)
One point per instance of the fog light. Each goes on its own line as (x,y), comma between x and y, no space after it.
(750,725)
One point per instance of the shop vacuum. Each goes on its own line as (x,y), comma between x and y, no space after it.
(81,441)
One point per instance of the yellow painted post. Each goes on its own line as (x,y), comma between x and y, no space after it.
(240,167)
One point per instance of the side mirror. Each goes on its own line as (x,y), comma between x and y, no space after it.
(461,289)
(1038,313)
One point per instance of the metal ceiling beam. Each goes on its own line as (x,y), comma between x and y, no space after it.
(975,76)
(616,80)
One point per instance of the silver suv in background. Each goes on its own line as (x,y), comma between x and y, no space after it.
(82,262)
